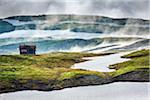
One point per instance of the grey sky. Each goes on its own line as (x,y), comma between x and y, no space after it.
(111,8)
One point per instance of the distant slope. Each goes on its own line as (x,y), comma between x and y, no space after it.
(77,23)
(137,45)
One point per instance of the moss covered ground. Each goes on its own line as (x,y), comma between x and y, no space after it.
(139,61)
(47,68)
(53,66)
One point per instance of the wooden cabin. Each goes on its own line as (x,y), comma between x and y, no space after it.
(27,49)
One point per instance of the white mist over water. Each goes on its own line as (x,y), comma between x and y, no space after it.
(55,34)
(29,36)
(62,34)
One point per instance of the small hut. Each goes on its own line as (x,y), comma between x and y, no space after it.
(27,49)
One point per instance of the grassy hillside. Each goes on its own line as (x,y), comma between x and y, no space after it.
(52,71)
(141,53)
(139,61)
(43,68)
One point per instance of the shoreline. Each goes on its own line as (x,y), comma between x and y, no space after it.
(44,76)
(68,83)
(12,91)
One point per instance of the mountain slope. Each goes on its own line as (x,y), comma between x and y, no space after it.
(77,23)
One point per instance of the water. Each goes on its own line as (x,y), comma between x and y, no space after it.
(100,63)
(114,91)
(57,40)
(55,34)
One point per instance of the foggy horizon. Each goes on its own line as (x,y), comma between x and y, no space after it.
(107,8)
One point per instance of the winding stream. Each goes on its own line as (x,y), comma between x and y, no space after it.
(100,63)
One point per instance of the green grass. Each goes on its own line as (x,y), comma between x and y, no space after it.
(139,61)
(76,73)
(56,66)
(144,52)
(53,66)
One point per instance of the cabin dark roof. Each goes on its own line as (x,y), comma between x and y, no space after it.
(28,46)
(27,49)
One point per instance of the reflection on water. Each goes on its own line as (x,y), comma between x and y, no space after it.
(114,91)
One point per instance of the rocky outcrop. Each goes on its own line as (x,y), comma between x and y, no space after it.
(83,80)
(141,75)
